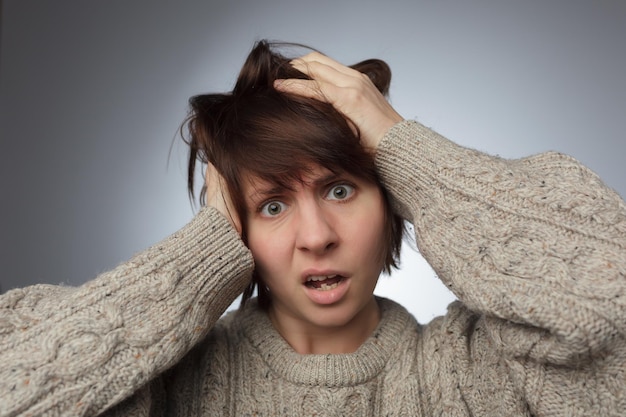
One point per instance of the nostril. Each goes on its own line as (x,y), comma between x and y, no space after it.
(315,231)
(317,246)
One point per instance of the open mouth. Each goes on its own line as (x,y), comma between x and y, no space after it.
(323,282)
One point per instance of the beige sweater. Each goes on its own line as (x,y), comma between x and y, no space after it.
(535,249)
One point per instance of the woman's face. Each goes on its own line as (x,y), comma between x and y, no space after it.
(319,248)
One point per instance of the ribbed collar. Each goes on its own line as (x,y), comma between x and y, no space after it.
(330,370)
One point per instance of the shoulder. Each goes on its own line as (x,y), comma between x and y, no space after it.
(462,367)
(458,345)
(204,370)
(213,349)
(463,335)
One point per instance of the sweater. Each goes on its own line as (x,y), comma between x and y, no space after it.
(534,249)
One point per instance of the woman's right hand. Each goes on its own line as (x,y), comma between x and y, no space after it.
(217,196)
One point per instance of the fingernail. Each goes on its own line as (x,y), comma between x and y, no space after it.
(278,83)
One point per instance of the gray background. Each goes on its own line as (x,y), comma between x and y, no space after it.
(92,94)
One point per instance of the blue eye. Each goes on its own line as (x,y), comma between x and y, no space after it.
(340,192)
(272,208)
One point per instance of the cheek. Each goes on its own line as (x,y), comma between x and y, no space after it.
(369,235)
(377,238)
(268,251)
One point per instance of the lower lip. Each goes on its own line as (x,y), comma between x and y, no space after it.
(328,296)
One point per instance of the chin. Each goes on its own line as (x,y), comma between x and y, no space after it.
(336,316)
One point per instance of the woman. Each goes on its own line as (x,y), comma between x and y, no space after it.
(310,171)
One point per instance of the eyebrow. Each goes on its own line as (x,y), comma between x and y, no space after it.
(261,193)
(325,179)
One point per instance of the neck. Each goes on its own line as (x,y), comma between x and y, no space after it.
(313,339)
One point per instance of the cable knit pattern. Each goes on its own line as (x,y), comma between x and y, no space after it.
(533,229)
(77,351)
(535,250)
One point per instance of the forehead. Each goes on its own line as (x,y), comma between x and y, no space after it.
(307,176)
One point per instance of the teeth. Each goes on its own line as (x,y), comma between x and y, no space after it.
(319,277)
(323,286)
(326,287)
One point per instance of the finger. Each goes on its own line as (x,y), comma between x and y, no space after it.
(316,57)
(318,70)
(326,83)
(218,197)
(314,89)
(212,177)
(303,88)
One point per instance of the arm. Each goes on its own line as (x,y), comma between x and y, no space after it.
(537,245)
(78,351)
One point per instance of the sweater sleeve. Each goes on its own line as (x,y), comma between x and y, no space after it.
(535,246)
(79,351)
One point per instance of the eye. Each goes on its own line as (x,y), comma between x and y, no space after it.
(340,192)
(272,208)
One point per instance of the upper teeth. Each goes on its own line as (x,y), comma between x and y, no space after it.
(319,277)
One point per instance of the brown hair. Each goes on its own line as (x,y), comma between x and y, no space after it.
(256,131)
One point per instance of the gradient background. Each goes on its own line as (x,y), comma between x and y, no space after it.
(92,94)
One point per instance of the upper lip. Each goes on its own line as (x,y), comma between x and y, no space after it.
(321,272)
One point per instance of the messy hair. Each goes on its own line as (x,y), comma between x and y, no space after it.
(254,131)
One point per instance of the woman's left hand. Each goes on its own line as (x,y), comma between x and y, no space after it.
(218,197)
(350,92)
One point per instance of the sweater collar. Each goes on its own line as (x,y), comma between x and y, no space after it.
(330,370)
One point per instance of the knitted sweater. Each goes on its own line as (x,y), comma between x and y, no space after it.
(535,250)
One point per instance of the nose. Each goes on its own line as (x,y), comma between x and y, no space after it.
(316,231)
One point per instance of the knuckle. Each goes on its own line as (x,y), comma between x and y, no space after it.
(314,54)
